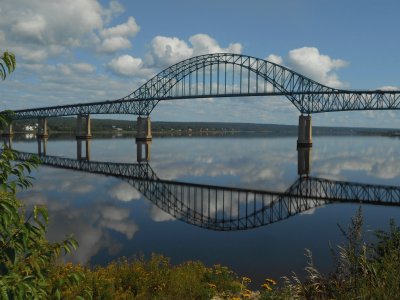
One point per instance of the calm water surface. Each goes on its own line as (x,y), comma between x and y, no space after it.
(111,219)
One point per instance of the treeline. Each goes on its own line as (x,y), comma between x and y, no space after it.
(68,125)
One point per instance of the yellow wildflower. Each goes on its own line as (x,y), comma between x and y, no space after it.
(212,285)
(246,279)
(273,282)
(266,286)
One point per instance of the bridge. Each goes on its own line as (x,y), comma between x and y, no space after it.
(220,75)
(230,208)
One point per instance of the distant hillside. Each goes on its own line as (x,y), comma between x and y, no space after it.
(67,125)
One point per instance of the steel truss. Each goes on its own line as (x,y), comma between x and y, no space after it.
(226,208)
(228,75)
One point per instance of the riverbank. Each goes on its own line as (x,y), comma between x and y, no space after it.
(66,125)
(364,271)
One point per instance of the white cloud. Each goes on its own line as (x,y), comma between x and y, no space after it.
(115,8)
(158,215)
(309,62)
(83,67)
(62,22)
(113,44)
(204,44)
(32,28)
(124,192)
(31,55)
(63,25)
(275,59)
(116,38)
(128,29)
(67,70)
(127,65)
(166,51)
(126,227)
(388,88)
(114,213)
(117,218)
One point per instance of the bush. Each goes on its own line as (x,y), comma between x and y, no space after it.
(155,278)
(363,271)
(26,256)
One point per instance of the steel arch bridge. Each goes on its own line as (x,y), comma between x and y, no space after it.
(227,208)
(228,75)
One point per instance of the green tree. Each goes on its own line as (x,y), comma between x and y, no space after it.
(27,258)
(8,64)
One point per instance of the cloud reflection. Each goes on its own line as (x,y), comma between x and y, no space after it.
(124,192)
(98,210)
(77,207)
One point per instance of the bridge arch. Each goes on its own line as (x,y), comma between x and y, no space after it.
(228,75)
(215,75)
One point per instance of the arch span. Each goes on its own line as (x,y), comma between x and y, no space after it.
(228,75)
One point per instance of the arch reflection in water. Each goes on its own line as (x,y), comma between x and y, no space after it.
(42,146)
(227,208)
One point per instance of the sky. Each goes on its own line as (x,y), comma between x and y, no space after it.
(75,51)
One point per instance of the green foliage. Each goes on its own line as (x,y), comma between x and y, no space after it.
(26,256)
(363,271)
(8,64)
(13,174)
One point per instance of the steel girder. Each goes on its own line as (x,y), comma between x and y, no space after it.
(226,208)
(228,75)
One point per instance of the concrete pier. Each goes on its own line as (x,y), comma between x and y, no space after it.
(42,146)
(143,129)
(80,154)
(303,160)
(143,138)
(83,129)
(42,128)
(305,132)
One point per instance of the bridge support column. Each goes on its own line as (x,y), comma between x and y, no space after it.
(83,129)
(305,132)
(143,138)
(42,128)
(303,160)
(79,147)
(42,146)
(8,131)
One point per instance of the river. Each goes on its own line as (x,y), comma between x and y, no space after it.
(110,218)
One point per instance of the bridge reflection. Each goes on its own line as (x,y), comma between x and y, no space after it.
(83,147)
(229,208)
